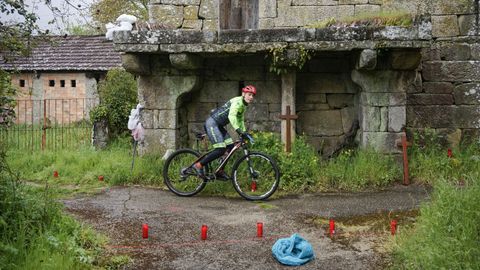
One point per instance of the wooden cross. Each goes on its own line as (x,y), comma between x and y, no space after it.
(288,136)
(404,144)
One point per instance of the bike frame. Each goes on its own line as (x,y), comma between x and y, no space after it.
(236,146)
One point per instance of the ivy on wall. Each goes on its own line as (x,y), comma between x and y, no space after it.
(282,58)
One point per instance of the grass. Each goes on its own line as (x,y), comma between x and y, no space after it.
(79,170)
(359,169)
(301,170)
(446,228)
(446,233)
(382,18)
(428,164)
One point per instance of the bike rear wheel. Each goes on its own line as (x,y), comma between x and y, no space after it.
(179,175)
(256,176)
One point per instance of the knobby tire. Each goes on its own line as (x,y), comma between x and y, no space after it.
(188,185)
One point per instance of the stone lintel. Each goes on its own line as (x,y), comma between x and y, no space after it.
(325,39)
(265,47)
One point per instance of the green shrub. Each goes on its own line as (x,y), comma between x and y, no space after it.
(299,169)
(446,234)
(7,101)
(118,95)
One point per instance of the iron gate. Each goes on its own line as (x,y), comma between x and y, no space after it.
(50,124)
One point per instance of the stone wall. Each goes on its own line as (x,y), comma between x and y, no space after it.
(186,14)
(446,96)
(222,80)
(327,101)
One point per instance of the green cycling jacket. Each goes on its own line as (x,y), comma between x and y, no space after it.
(231,112)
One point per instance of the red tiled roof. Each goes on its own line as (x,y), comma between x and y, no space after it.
(82,53)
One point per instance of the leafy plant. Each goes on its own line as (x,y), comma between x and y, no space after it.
(282,58)
(7,101)
(118,95)
(299,169)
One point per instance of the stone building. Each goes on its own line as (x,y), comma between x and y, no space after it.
(369,82)
(64,70)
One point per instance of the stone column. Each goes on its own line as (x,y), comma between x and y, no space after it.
(162,82)
(288,99)
(382,108)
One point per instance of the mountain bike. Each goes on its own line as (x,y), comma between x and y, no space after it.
(254,175)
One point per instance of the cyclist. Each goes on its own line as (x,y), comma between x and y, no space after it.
(231,112)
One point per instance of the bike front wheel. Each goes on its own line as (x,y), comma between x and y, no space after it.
(255,176)
(179,175)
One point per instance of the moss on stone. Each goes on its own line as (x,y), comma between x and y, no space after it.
(391,18)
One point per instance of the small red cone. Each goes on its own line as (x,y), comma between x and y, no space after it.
(204,232)
(145,231)
(259,229)
(254,186)
(55,174)
(100,178)
(332,227)
(393,227)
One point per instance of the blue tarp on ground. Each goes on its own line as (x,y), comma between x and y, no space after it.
(293,250)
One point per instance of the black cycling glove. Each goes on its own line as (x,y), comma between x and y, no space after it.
(243,134)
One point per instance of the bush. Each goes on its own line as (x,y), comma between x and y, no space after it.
(299,169)
(118,95)
(7,101)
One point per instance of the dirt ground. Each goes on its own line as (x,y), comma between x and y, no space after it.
(362,220)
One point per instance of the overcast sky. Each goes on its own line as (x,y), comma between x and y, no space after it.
(69,12)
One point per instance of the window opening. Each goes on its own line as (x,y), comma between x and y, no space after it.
(22,83)
(51,83)
(62,83)
(73,83)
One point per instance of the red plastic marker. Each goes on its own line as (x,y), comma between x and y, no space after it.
(100,178)
(393,227)
(254,186)
(332,227)
(145,231)
(55,174)
(204,232)
(449,153)
(259,229)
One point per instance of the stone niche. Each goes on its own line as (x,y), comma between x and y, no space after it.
(352,89)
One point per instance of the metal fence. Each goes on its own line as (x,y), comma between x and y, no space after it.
(50,124)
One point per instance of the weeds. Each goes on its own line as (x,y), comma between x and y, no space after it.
(446,233)
(359,169)
(384,18)
(34,233)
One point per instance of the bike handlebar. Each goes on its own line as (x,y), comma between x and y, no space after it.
(249,138)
